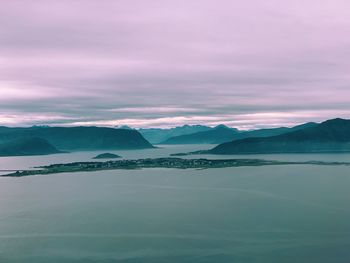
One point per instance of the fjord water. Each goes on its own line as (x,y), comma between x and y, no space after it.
(273,214)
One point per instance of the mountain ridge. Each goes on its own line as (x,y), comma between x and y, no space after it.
(27,146)
(329,136)
(157,135)
(80,138)
(218,136)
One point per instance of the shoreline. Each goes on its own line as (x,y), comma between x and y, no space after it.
(167,163)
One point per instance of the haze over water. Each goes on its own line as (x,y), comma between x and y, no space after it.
(248,214)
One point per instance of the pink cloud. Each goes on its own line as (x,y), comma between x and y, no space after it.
(166,60)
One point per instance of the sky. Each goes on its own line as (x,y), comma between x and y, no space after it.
(163,63)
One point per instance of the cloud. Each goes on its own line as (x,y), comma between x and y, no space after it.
(166,63)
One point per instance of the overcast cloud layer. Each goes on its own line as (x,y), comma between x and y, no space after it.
(160,63)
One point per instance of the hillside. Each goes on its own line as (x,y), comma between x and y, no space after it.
(221,134)
(27,146)
(80,138)
(329,136)
(157,135)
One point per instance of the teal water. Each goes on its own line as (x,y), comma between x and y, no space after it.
(282,214)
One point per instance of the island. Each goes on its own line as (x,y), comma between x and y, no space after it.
(107,156)
(168,162)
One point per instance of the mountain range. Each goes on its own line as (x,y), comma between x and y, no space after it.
(27,146)
(222,133)
(329,136)
(79,138)
(218,134)
(158,135)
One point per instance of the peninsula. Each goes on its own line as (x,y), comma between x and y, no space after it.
(169,162)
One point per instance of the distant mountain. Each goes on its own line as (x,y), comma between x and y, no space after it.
(156,135)
(329,136)
(126,127)
(80,138)
(27,146)
(219,134)
(222,133)
(272,131)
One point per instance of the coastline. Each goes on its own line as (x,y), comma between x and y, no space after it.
(167,163)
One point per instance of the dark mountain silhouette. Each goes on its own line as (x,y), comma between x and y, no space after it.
(80,138)
(27,146)
(157,135)
(222,133)
(219,134)
(329,136)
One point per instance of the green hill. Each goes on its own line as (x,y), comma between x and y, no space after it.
(157,135)
(80,138)
(107,156)
(27,146)
(329,136)
(218,134)
(221,134)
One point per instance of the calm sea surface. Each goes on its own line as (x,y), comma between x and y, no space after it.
(269,214)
